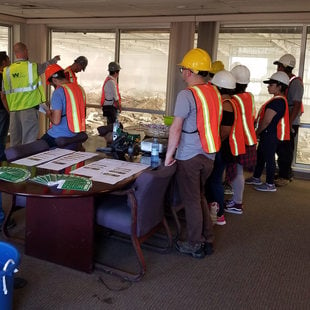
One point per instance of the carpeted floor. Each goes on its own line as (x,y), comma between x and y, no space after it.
(261,261)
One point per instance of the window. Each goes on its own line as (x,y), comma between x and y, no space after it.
(4,39)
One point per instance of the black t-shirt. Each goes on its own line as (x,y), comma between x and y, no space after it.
(1,103)
(277,105)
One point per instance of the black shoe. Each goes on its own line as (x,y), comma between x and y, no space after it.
(196,250)
(208,248)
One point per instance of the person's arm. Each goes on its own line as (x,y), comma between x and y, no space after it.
(54,116)
(42,67)
(225,129)
(268,116)
(295,112)
(174,138)
(4,101)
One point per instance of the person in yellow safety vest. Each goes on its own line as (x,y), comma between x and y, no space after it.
(79,64)
(272,126)
(197,116)
(67,110)
(111,98)
(234,170)
(232,142)
(22,93)
(294,94)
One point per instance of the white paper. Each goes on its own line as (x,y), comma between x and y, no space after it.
(110,171)
(43,157)
(68,160)
(43,107)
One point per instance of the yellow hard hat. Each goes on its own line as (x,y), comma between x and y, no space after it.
(217,66)
(196,60)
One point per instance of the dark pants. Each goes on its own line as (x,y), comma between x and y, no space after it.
(285,152)
(266,155)
(214,188)
(110,112)
(4,128)
(191,178)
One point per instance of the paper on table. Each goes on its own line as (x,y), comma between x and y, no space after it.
(43,157)
(68,160)
(110,171)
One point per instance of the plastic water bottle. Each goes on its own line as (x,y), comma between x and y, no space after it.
(115,129)
(155,151)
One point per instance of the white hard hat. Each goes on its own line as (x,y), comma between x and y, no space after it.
(241,74)
(286,60)
(224,79)
(279,76)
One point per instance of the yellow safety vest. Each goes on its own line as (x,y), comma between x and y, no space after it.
(23,86)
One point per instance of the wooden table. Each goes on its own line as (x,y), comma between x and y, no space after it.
(60,223)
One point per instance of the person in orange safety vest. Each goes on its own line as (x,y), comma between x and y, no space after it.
(67,110)
(80,63)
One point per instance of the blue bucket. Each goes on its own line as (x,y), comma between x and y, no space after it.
(9,261)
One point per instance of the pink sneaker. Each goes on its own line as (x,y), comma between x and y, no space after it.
(220,220)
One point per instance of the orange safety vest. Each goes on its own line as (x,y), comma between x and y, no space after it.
(247,106)
(70,75)
(75,106)
(236,138)
(286,92)
(283,127)
(209,116)
(118,94)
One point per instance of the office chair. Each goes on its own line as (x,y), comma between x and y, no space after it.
(72,143)
(18,202)
(137,212)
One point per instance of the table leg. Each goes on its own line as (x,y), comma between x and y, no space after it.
(61,230)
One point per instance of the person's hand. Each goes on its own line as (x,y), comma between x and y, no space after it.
(57,58)
(169,161)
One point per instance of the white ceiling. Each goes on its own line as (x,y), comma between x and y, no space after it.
(33,9)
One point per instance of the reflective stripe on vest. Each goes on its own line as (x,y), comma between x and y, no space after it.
(209,115)
(75,106)
(236,138)
(108,78)
(23,86)
(283,126)
(70,75)
(247,106)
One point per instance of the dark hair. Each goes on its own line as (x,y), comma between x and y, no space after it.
(240,88)
(3,57)
(203,73)
(282,86)
(57,75)
(113,72)
(225,91)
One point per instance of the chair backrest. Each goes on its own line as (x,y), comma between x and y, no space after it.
(72,143)
(150,192)
(23,150)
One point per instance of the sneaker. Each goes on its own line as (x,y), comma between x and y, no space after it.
(254,181)
(266,187)
(232,207)
(228,190)
(214,208)
(220,220)
(281,182)
(208,248)
(195,250)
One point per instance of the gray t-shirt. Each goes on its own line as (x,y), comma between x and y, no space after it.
(295,93)
(190,145)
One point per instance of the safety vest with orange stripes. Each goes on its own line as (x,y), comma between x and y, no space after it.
(75,106)
(236,138)
(70,75)
(209,116)
(113,102)
(247,107)
(283,127)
